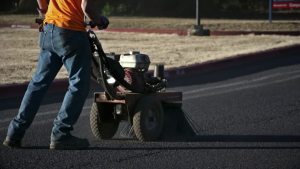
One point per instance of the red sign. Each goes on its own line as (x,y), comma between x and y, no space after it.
(286,5)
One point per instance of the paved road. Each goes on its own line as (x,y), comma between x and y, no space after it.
(244,117)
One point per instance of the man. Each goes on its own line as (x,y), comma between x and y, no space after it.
(63,41)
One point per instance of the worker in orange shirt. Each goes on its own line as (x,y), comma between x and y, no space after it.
(63,41)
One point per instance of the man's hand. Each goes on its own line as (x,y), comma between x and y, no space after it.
(89,10)
(105,23)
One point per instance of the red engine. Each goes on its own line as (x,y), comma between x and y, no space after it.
(134,78)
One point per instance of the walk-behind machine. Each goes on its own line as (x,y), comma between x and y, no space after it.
(133,96)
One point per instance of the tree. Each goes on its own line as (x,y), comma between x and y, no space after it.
(242,5)
(27,6)
(7,5)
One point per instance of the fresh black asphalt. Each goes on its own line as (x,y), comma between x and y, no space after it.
(244,117)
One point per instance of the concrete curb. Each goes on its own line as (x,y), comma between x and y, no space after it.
(227,33)
(61,85)
(231,61)
(212,33)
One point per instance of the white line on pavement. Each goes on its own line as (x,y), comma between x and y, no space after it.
(38,114)
(242,88)
(239,83)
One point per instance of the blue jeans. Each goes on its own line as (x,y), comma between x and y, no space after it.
(58,47)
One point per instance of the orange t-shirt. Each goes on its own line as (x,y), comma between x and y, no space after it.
(66,14)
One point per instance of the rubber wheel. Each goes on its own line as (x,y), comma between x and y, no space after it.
(99,129)
(148,119)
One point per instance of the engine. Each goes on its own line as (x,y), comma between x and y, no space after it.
(136,66)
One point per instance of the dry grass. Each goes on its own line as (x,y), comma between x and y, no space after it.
(20,51)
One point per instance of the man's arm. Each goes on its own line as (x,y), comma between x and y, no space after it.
(90,11)
(43,7)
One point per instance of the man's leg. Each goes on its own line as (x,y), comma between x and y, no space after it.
(48,66)
(77,60)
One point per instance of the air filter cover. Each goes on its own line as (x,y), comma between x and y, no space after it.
(135,60)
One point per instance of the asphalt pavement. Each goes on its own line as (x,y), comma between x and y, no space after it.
(245,116)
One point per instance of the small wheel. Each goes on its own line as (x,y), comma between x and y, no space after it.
(148,119)
(102,130)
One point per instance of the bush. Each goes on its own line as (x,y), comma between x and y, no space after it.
(27,6)
(120,9)
(108,10)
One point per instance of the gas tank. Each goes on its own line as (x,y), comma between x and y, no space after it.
(135,60)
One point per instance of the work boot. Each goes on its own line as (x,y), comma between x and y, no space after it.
(72,143)
(12,143)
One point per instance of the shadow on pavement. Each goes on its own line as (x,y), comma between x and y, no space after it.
(198,148)
(169,148)
(207,138)
(246,138)
(36,147)
(179,127)
(236,71)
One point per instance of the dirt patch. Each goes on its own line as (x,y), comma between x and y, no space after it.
(20,51)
